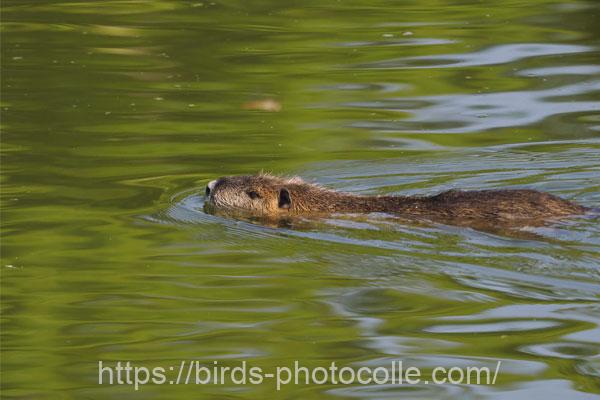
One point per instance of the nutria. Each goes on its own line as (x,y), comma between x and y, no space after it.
(276,197)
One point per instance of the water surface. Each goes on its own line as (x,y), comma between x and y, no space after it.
(116,114)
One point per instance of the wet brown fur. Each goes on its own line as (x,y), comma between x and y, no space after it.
(470,208)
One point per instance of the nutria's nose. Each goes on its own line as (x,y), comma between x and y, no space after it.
(210,187)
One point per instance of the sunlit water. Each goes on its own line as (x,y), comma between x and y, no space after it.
(116,114)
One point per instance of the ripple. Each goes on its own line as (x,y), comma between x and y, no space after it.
(490,56)
(399,42)
(564,350)
(589,368)
(471,113)
(585,70)
(547,389)
(389,391)
(494,327)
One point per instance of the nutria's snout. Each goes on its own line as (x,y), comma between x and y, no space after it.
(209,188)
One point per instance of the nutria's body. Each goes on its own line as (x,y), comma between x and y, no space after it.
(276,197)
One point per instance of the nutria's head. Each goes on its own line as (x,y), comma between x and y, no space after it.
(262,195)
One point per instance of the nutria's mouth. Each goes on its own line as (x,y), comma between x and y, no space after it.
(208,207)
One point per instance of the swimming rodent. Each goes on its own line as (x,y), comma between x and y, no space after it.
(271,196)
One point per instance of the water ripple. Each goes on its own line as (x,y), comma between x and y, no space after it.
(470,113)
(490,56)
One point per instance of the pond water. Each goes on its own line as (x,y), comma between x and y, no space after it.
(116,114)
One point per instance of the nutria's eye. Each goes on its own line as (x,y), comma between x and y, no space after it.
(252,194)
(207,191)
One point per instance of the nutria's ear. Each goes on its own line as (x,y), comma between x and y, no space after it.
(284,199)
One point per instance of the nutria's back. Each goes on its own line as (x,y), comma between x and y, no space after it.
(272,196)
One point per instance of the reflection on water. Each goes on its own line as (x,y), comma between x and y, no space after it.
(466,113)
(116,114)
(495,55)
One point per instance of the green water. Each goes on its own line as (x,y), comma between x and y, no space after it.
(115,115)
